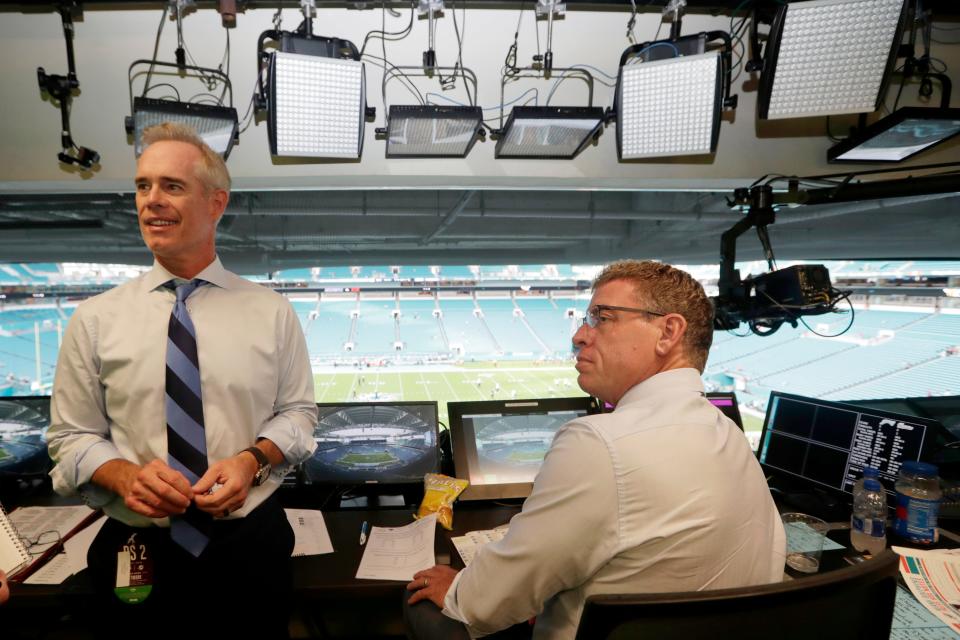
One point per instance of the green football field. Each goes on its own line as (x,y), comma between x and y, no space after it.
(366,458)
(474,381)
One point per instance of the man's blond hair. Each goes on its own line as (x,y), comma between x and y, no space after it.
(211,170)
(665,289)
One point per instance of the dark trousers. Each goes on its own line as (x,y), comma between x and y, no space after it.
(240,586)
(425,621)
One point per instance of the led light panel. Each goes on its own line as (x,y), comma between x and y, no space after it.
(215,124)
(828,57)
(316,106)
(432,131)
(548,132)
(669,107)
(903,134)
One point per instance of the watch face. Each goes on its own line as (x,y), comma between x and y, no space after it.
(262,474)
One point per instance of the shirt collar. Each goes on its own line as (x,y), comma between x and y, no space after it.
(667,382)
(214,273)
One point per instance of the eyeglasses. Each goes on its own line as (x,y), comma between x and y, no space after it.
(593,319)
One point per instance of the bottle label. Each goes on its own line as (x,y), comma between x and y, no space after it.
(917,518)
(873,527)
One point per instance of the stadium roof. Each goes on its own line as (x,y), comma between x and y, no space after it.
(269,230)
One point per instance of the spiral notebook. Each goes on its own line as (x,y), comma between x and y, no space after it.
(13,555)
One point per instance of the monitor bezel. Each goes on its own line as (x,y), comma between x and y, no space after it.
(374,482)
(925,446)
(5,476)
(457,410)
(729,395)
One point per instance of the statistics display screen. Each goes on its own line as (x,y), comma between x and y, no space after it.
(829,443)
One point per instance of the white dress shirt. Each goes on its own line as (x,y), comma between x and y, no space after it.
(663,494)
(109,390)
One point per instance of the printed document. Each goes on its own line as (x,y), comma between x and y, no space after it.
(310,532)
(396,553)
(468,545)
(931,577)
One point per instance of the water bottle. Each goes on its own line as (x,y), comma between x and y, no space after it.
(918,502)
(868,530)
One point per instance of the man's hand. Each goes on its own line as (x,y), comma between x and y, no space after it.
(155,490)
(431,584)
(4,587)
(234,475)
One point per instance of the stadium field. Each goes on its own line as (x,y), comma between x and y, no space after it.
(476,381)
(366,458)
(3,454)
(527,456)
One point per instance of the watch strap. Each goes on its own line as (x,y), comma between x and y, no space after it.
(263,465)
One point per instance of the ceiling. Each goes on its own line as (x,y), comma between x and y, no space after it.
(478,210)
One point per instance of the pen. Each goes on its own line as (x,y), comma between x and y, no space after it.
(364,528)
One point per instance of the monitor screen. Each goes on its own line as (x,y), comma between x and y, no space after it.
(498,445)
(726,401)
(829,443)
(23,423)
(392,443)
(943,409)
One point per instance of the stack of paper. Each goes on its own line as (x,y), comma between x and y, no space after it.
(468,545)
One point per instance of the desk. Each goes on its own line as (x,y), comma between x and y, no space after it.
(329,600)
(333,574)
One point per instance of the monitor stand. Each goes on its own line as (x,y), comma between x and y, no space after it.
(794,496)
(373,501)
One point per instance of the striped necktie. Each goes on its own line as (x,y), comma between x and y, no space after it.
(186,437)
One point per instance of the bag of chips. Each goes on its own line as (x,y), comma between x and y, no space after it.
(439,492)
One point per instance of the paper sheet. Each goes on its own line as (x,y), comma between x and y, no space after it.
(73,558)
(912,621)
(928,577)
(31,522)
(396,553)
(468,545)
(310,532)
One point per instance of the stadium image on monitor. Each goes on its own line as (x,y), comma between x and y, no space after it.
(499,446)
(23,422)
(383,443)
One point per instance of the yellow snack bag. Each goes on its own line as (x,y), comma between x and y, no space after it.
(439,492)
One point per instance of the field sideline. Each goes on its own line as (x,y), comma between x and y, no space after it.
(460,383)
(472,382)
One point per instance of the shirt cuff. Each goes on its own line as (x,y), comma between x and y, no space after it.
(452,610)
(293,443)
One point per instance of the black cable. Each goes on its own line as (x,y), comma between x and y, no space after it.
(384,34)
(156,48)
(163,84)
(829,134)
(386,65)
(843,295)
(249,112)
(456,29)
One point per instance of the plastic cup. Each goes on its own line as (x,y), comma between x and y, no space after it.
(805,536)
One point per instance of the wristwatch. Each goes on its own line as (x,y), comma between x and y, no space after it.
(264,468)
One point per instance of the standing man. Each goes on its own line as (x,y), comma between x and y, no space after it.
(181,398)
(663,494)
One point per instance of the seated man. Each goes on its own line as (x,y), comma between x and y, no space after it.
(663,494)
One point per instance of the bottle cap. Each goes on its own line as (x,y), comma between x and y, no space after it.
(871,484)
(870,472)
(919,468)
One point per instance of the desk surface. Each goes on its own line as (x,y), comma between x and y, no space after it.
(333,573)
